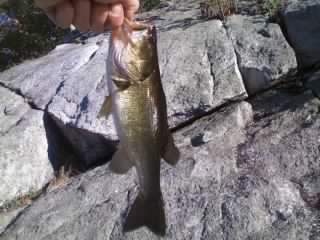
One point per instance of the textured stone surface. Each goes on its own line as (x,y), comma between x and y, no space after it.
(76,105)
(92,204)
(247,171)
(264,56)
(233,182)
(7,217)
(38,80)
(12,108)
(202,76)
(301,20)
(24,162)
(286,141)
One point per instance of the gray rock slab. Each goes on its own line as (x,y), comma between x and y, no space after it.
(7,217)
(203,75)
(285,141)
(208,195)
(38,80)
(91,206)
(264,56)
(301,20)
(24,163)
(12,109)
(76,105)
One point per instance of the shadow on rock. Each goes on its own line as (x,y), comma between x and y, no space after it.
(61,153)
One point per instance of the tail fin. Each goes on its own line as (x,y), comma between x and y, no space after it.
(149,213)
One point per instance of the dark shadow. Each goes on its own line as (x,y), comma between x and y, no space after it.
(63,153)
(58,148)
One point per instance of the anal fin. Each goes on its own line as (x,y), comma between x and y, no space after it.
(171,153)
(120,162)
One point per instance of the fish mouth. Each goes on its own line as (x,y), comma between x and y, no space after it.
(131,44)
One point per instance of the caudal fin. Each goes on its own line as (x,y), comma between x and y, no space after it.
(149,213)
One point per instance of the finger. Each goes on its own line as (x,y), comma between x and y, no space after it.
(99,16)
(82,14)
(45,4)
(64,14)
(115,17)
(130,6)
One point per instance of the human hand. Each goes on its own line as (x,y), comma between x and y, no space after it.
(95,15)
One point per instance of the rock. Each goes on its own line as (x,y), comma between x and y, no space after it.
(301,20)
(76,105)
(24,162)
(219,189)
(39,80)
(285,141)
(201,77)
(12,109)
(253,207)
(264,56)
(8,217)
(92,204)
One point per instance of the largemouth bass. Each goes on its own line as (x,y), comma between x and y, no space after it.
(138,105)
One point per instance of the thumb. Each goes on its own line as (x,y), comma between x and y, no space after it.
(130,6)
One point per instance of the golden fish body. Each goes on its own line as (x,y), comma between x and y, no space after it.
(139,109)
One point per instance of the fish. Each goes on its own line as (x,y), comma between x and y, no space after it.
(138,105)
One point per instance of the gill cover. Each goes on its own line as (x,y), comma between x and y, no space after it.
(133,55)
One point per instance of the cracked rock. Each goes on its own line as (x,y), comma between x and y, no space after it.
(92,205)
(8,217)
(202,76)
(24,163)
(76,105)
(38,80)
(264,56)
(209,194)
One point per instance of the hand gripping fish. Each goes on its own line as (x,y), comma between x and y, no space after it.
(138,105)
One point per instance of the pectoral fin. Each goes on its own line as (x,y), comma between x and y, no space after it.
(171,154)
(106,107)
(120,162)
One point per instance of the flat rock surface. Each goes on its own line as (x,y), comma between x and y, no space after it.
(8,217)
(38,80)
(24,162)
(264,56)
(301,20)
(204,75)
(245,172)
